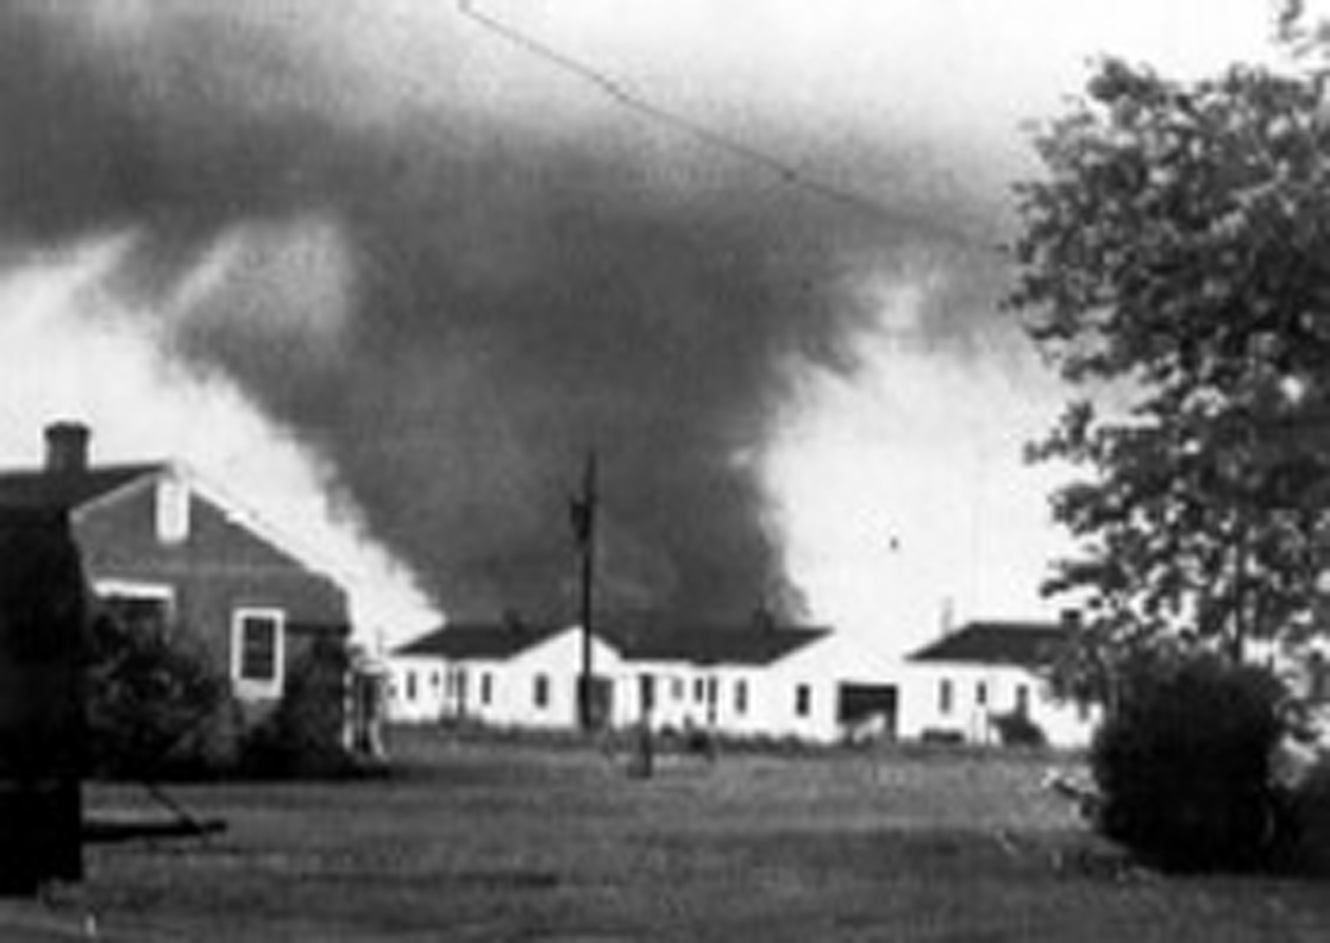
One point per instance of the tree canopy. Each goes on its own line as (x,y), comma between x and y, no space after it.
(1174,263)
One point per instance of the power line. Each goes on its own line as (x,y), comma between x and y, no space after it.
(785,172)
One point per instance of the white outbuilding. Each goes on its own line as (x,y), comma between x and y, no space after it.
(961,686)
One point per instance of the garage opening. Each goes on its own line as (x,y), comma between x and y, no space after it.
(867,711)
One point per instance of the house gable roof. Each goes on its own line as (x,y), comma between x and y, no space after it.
(749,646)
(696,645)
(69,491)
(85,489)
(490,641)
(1018,644)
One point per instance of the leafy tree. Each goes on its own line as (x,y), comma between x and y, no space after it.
(1174,264)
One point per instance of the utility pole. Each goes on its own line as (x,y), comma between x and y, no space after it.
(583,510)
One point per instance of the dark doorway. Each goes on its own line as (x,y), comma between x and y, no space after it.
(868,711)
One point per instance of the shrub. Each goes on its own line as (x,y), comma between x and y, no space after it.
(1183,762)
(1308,820)
(1016,729)
(154,708)
(303,735)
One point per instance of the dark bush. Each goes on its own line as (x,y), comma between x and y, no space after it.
(155,708)
(1308,821)
(1017,729)
(1183,763)
(944,737)
(303,735)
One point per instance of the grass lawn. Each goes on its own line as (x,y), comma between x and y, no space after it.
(473,841)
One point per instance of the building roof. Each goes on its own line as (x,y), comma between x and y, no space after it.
(750,646)
(698,645)
(69,490)
(492,641)
(74,490)
(1020,644)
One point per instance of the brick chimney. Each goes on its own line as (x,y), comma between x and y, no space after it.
(67,447)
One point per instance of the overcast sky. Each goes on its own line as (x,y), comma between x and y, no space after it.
(384,273)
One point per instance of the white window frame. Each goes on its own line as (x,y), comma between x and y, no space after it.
(252,687)
(163,593)
(136,589)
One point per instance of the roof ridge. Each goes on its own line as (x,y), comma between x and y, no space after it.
(91,470)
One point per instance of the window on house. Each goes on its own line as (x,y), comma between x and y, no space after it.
(945,696)
(138,613)
(410,687)
(803,700)
(486,688)
(1022,699)
(647,693)
(981,693)
(741,696)
(136,606)
(541,691)
(258,647)
(699,690)
(172,510)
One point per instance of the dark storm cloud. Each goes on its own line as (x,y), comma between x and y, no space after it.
(521,293)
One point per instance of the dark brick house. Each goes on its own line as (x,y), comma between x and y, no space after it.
(160,546)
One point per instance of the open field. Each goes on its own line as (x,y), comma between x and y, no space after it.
(521,842)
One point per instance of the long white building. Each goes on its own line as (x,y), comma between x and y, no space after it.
(754,681)
(759,680)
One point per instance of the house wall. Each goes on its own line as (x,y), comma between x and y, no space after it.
(558,660)
(749,700)
(415,689)
(977,692)
(821,668)
(502,692)
(686,696)
(219,568)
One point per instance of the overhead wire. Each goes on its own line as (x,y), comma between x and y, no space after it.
(785,172)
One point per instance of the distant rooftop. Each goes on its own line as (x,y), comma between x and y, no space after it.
(1021,644)
(720,644)
(490,641)
(748,645)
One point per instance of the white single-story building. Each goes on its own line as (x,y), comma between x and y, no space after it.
(958,686)
(511,674)
(744,682)
(758,680)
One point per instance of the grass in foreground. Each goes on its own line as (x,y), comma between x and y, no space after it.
(474,841)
